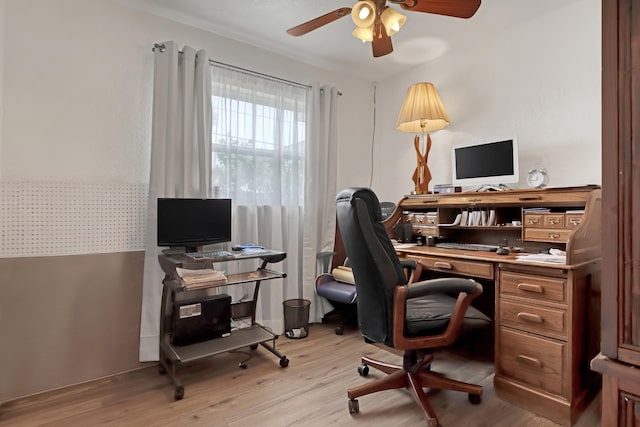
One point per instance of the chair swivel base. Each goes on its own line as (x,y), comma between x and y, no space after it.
(414,379)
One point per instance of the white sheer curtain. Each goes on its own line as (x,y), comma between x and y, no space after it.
(180,160)
(277,166)
(320,190)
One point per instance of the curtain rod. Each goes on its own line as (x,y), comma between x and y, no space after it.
(161,47)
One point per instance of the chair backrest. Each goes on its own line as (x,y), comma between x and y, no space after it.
(376,267)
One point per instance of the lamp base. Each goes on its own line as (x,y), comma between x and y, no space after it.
(422,174)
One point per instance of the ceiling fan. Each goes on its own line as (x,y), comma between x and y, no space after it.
(376,22)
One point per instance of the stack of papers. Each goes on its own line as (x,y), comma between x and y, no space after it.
(543,258)
(200,278)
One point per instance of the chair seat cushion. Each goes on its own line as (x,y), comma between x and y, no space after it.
(430,315)
(335,291)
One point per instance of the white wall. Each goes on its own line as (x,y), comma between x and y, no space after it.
(539,81)
(78,79)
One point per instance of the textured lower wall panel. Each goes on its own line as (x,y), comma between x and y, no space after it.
(67,319)
(71,218)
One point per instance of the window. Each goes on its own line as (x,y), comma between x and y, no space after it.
(259,128)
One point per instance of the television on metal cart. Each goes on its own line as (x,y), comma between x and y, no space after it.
(193,223)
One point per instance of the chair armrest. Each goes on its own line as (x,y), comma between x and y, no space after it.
(441,286)
(409,264)
(467,289)
(412,269)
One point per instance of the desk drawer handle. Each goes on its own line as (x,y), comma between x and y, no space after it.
(529,317)
(533,221)
(528,287)
(429,201)
(553,221)
(444,265)
(529,360)
(554,236)
(574,221)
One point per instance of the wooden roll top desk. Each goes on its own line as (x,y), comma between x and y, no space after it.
(546,314)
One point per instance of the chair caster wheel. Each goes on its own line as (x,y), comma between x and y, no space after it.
(339,330)
(354,406)
(284,362)
(178,394)
(363,370)
(474,398)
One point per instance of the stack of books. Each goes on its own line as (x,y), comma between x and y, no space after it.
(202,278)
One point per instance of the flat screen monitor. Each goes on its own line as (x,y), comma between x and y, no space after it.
(191,223)
(486,163)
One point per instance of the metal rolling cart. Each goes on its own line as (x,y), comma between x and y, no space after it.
(174,291)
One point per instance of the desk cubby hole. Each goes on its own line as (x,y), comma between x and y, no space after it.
(499,236)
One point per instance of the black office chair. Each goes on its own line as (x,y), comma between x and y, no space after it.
(415,317)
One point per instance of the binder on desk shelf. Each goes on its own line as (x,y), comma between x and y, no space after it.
(464,220)
(491,221)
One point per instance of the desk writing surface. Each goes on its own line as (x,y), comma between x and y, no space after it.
(479,256)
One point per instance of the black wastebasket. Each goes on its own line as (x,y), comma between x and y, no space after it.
(296,318)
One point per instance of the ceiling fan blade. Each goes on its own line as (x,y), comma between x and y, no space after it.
(456,8)
(319,22)
(381,43)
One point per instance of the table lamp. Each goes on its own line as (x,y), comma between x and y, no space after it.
(422,112)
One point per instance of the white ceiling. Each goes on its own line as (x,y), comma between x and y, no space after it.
(263,23)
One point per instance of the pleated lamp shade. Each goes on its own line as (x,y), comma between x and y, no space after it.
(422,110)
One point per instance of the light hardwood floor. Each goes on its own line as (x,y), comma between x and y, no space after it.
(310,392)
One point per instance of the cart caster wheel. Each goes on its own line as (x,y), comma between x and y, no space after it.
(474,398)
(179,393)
(363,370)
(243,365)
(354,406)
(284,362)
(253,346)
(339,330)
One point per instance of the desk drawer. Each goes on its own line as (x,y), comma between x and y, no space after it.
(536,319)
(539,288)
(478,269)
(532,360)
(424,230)
(546,234)
(573,220)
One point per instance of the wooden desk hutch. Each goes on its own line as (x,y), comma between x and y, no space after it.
(546,315)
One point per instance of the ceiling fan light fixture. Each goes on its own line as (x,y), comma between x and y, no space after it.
(364,34)
(392,20)
(363,13)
